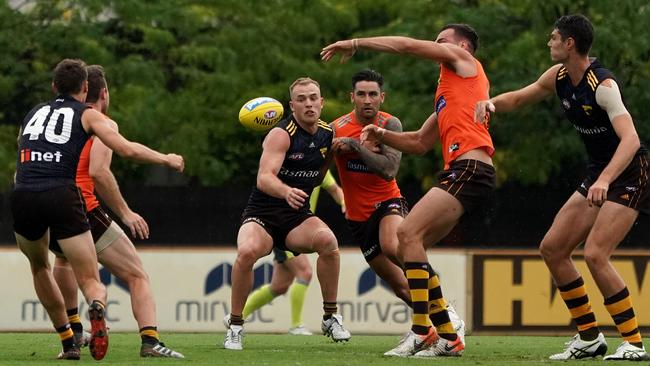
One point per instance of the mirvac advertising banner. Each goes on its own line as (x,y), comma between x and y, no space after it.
(192,293)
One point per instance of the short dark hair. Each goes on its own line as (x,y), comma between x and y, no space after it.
(96,82)
(578,27)
(69,75)
(367,75)
(466,32)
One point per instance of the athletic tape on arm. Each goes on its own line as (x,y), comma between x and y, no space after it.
(609,98)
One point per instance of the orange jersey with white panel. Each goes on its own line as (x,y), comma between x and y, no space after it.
(84,180)
(455,100)
(363,190)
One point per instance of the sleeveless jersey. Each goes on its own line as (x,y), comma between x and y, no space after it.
(303,165)
(363,190)
(84,181)
(582,110)
(455,100)
(51,140)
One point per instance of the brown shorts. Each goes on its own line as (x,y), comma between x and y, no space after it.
(60,209)
(470,181)
(103,229)
(630,189)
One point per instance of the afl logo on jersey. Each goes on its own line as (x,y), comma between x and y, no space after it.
(296,156)
(566,104)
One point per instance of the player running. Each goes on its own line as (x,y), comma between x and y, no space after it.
(114,249)
(46,202)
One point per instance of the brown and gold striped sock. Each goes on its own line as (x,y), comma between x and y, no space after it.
(438,308)
(75,320)
(576,299)
(418,276)
(620,308)
(329,309)
(236,319)
(149,335)
(66,336)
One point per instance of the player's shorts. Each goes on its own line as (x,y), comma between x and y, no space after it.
(366,233)
(630,189)
(282,256)
(470,181)
(277,221)
(103,229)
(60,209)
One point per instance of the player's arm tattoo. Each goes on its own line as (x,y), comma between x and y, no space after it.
(386,162)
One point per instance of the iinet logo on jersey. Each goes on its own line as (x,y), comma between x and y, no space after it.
(27,155)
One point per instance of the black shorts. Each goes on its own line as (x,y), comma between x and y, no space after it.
(282,256)
(277,221)
(629,189)
(366,233)
(471,182)
(99,223)
(61,209)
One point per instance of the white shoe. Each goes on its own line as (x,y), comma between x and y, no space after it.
(82,339)
(577,348)
(627,351)
(443,348)
(333,327)
(300,330)
(413,343)
(456,322)
(158,350)
(234,337)
(226,321)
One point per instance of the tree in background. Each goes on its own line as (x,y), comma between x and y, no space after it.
(182,69)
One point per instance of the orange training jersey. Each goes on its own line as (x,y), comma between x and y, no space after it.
(84,181)
(362,188)
(455,100)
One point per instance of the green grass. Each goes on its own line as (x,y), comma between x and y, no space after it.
(281,350)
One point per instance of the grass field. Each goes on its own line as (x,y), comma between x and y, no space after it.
(281,350)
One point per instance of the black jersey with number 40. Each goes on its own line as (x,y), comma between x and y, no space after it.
(587,117)
(303,163)
(50,143)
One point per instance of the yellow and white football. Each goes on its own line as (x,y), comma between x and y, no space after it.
(261,114)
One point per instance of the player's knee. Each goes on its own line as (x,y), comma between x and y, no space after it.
(324,242)
(549,251)
(595,258)
(405,236)
(280,289)
(135,277)
(304,275)
(247,254)
(61,262)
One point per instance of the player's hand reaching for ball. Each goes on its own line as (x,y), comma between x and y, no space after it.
(175,162)
(296,198)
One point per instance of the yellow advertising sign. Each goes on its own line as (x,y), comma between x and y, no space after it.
(516,292)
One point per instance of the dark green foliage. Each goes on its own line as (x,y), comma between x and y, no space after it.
(180,70)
